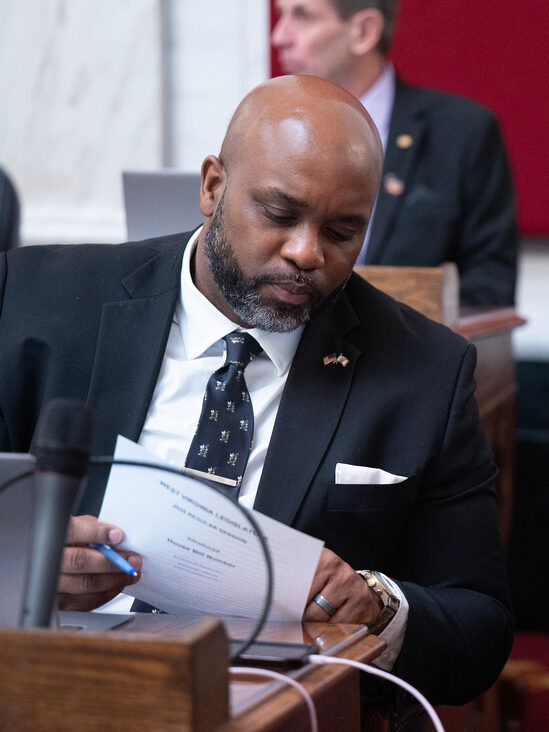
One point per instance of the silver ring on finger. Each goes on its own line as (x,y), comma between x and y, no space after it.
(325,604)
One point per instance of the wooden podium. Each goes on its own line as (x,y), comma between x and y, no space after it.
(67,680)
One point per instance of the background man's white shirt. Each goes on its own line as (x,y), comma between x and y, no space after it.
(378,101)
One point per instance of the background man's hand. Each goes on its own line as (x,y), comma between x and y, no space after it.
(338,582)
(87,578)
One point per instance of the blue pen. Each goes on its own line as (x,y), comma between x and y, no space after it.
(115,558)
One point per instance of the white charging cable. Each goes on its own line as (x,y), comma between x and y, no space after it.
(253,671)
(374,671)
(324,660)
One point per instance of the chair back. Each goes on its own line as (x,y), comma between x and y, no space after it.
(434,291)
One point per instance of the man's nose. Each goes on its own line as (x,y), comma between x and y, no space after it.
(281,34)
(304,248)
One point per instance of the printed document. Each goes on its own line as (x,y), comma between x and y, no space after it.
(199,551)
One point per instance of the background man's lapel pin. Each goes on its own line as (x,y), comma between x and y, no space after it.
(404,141)
(393,185)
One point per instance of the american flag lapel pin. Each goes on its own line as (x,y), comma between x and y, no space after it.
(333,358)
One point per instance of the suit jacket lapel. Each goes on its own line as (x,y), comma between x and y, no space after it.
(309,411)
(407,126)
(130,347)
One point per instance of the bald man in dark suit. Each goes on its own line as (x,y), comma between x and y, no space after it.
(366,430)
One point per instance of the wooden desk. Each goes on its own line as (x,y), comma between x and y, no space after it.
(167,672)
(270,706)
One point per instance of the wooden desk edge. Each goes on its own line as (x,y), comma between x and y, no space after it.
(488,321)
(314,678)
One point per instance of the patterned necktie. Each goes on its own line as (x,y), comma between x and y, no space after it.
(223,438)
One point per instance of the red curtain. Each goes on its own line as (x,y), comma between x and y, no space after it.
(493,51)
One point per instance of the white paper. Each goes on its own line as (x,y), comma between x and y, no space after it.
(198,549)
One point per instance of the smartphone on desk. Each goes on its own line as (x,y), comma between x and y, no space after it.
(279,656)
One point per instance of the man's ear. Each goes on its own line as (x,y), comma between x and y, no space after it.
(213,183)
(365,30)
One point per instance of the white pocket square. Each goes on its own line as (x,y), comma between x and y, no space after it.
(360,474)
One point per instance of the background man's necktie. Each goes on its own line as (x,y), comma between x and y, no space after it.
(223,438)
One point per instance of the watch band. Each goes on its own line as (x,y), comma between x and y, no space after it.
(380,584)
(387,592)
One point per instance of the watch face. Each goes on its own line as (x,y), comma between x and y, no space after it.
(389,585)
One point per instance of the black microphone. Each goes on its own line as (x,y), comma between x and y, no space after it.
(62,455)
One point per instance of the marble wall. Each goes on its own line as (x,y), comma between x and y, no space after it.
(219,51)
(92,87)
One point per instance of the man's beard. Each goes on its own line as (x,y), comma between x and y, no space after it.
(243,293)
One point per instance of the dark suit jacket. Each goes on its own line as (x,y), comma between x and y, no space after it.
(457,203)
(91,323)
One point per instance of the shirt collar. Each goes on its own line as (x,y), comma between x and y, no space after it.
(201,324)
(378,101)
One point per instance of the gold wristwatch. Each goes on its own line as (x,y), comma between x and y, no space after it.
(387,591)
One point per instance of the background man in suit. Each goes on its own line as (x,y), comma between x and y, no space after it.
(379,453)
(446,193)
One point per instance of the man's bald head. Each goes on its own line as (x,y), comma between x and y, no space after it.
(287,203)
(312,108)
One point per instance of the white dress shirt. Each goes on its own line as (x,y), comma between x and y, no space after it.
(378,101)
(195,349)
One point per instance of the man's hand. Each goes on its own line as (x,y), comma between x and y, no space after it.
(87,578)
(345,590)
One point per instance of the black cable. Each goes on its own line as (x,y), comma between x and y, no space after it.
(104,460)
